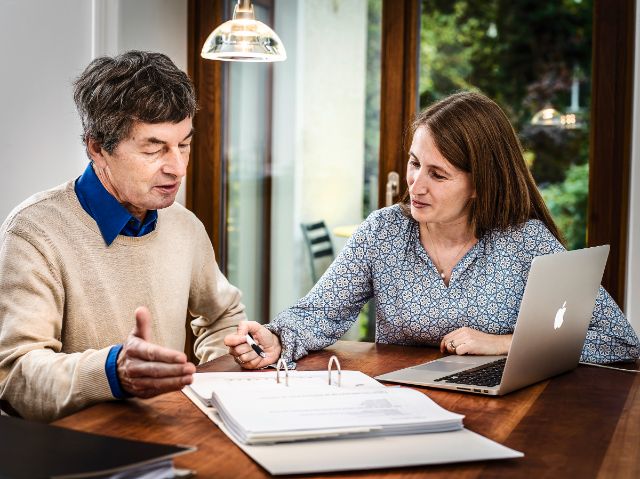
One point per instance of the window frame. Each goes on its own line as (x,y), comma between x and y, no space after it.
(611,120)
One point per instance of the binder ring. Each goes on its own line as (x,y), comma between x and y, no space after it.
(333,359)
(286,372)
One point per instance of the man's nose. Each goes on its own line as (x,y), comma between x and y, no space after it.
(176,163)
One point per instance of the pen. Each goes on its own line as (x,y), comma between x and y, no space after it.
(255,346)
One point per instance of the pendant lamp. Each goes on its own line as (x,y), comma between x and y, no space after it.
(244,39)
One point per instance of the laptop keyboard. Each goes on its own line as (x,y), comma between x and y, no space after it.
(489,374)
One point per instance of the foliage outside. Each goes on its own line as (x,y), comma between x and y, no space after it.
(526,55)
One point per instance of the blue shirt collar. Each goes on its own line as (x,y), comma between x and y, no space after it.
(112,218)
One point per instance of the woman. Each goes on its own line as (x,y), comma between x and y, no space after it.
(448,265)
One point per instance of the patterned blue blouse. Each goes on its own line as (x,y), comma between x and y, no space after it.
(385,259)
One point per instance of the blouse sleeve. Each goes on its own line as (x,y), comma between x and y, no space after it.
(610,337)
(322,316)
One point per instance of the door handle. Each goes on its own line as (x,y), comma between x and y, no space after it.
(393,187)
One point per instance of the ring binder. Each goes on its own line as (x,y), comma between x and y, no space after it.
(334,359)
(286,372)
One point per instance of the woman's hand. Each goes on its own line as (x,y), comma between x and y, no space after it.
(470,341)
(244,355)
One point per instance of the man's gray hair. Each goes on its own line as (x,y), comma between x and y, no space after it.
(112,93)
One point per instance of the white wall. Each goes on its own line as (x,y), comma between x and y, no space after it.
(633,262)
(44,45)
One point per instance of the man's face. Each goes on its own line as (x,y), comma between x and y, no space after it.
(145,170)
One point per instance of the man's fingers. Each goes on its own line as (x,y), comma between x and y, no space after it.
(149,387)
(143,323)
(145,369)
(137,348)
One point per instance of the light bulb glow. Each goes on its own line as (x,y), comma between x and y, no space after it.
(244,39)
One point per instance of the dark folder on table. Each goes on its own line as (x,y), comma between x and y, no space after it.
(34,450)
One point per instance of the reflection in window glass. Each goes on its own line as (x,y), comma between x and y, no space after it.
(325,140)
(534,59)
(301,147)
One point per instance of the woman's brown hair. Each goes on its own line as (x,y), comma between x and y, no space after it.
(475,135)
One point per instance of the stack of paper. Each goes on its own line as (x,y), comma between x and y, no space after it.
(258,410)
(351,451)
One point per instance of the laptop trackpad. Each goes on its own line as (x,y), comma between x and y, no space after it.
(451,364)
(441,366)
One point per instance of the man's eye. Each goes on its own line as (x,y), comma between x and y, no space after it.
(150,153)
(185,147)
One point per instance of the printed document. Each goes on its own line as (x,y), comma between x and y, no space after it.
(263,411)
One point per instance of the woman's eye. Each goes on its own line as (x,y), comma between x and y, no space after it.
(437,176)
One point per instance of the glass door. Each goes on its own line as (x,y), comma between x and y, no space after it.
(301,147)
(247,158)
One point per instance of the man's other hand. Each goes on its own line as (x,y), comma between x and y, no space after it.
(146,369)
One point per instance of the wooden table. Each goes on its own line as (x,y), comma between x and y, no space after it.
(585,423)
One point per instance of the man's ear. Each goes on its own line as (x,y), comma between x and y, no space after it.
(97,154)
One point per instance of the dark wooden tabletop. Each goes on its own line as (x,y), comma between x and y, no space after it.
(585,423)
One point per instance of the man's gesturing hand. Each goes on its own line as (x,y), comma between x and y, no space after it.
(145,369)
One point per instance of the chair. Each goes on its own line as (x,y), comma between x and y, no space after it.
(318,241)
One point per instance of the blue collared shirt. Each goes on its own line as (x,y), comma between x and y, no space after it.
(112,219)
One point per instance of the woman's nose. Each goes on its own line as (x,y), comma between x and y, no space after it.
(418,184)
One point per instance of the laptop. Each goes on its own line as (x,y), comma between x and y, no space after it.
(549,335)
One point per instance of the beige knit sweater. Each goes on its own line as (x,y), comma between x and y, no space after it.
(66,298)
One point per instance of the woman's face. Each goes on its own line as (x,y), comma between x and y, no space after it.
(439,192)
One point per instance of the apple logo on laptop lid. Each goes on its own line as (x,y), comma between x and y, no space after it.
(559,316)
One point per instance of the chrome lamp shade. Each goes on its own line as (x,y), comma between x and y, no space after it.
(244,39)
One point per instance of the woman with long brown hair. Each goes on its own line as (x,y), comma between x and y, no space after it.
(448,265)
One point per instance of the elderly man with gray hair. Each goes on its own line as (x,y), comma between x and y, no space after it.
(98,274)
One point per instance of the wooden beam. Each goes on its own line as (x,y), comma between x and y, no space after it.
(206,185)
(399,86)
(611,116)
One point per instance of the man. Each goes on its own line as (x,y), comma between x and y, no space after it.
(83,263)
